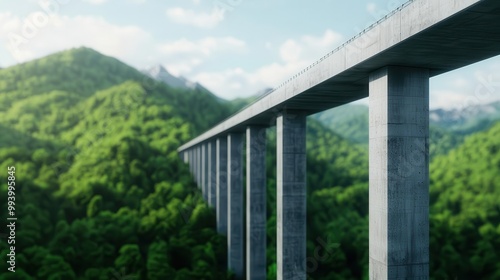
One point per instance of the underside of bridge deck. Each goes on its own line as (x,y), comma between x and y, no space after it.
(391,63)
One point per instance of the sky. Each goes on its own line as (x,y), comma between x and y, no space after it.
(235,48)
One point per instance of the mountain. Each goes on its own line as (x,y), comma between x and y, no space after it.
(159,73)
(448,128)
(466,121)
(103,194)
(464,198)
(350,121)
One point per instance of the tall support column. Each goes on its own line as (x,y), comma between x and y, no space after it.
(190,161)
(202,176)
(291,196)
(221,208)
(212,172)
(399,173)
(198,166)
(195,165)
(235,256)
(204,171)
(256,203)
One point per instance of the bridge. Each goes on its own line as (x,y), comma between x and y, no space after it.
(391,63)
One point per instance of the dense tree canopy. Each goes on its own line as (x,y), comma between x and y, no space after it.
(101,191)
(102,194)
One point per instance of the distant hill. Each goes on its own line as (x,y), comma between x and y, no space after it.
(159,73)
(350,121)
(468,120)
(104,194)
(241,102)
(447,127)
(465,209)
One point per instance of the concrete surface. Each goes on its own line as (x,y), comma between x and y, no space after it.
(235,233)
(221,162)
(399,174)
(212,173)
(256,203)
(291,196)
(437,35)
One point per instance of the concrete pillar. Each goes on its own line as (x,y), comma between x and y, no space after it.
(212,172)
(202,177)
(195,162)
(190,161)
(291,196)
(235,256)
(203,171)
(399,173)
(190,153)
(198,166)
(256,203)
(221,163)
(195,166)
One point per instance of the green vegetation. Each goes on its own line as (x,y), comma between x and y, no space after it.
(102,194)
(100,190)
(351,122)
(465,212)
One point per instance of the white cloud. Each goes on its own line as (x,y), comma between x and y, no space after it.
(295,54)
(290,51)
(63,32)
(459,89)
(183,67)
(185,54)
(232,79)
(205,46)
(96,2)
(197,19)
(327,41)
(371,7)
(445,98)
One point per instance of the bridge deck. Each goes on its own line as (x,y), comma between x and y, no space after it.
(440,35)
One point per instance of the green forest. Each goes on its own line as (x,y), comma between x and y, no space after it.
(101,193)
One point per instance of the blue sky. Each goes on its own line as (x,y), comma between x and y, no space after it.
(233,47)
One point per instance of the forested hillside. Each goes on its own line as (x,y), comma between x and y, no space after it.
(100,190)
(350,121)
(448,128)
(465,209)
(102,194)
